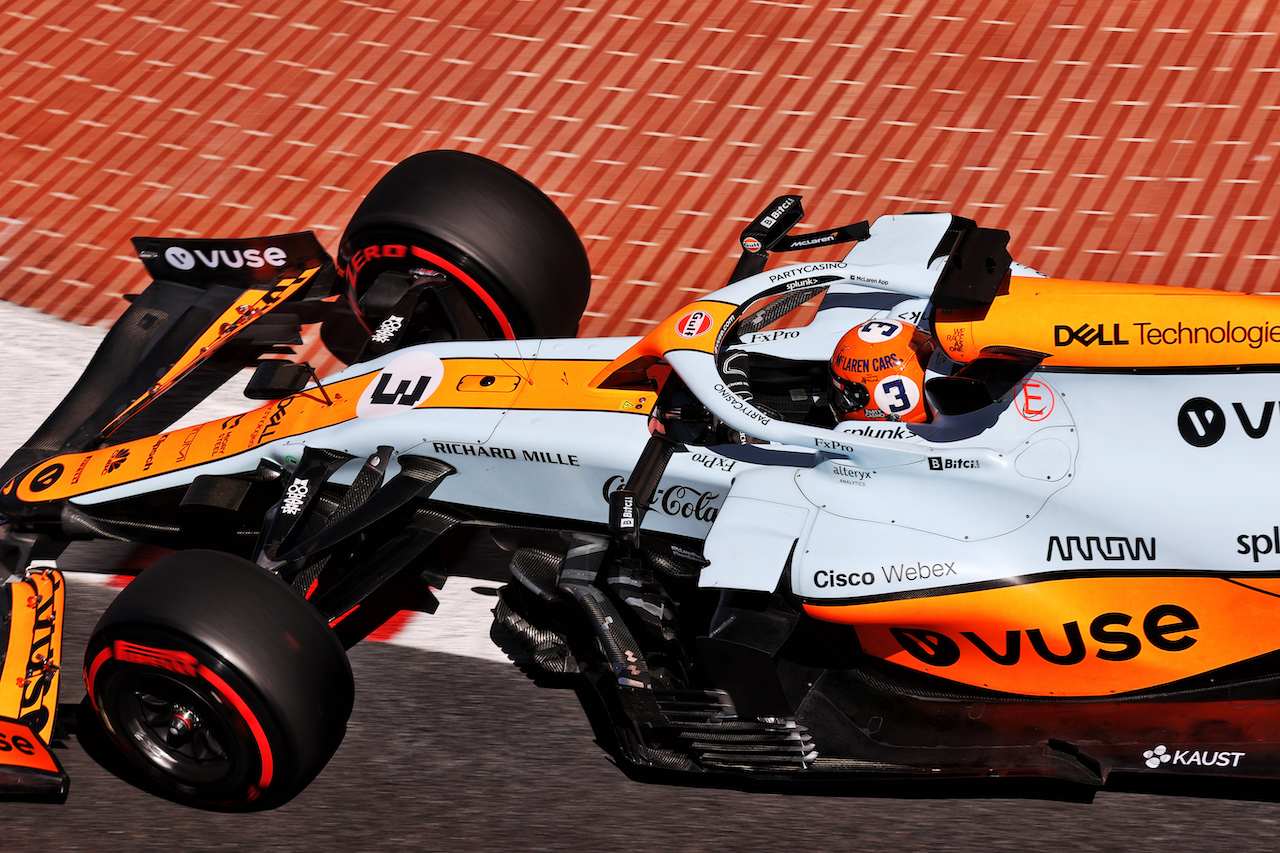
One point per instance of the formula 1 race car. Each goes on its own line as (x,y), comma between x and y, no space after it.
(1050,568)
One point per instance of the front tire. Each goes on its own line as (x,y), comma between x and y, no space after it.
(511,254)
(216,682)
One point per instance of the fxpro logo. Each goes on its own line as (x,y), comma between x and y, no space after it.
(186,259)
(1202,422)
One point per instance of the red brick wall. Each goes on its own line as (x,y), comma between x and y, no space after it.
(1129,141)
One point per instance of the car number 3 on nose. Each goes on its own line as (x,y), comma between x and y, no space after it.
(404,383)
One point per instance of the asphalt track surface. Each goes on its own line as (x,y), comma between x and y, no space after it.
(456,751)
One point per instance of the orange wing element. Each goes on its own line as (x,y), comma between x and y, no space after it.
(21,747)
(251,305)
(30,677)
(415,380)
(697,326)
(1100,324)
(1072,637)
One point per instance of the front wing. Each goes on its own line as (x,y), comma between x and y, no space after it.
(31,616)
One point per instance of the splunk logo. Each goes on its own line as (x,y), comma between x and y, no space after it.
(1166,627)
(1202,423)
(182,258)
(1258,544)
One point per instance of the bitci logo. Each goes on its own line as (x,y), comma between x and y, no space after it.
(693,324)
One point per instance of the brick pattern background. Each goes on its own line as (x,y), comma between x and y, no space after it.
(1115,140)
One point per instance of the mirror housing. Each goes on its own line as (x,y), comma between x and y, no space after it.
(277,379)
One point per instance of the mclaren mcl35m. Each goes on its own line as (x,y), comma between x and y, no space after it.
(903,508)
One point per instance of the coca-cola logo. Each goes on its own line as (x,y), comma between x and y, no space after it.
(677,500)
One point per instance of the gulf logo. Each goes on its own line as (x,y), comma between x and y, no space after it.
(693,324)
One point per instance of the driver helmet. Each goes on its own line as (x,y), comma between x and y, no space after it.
(877,372)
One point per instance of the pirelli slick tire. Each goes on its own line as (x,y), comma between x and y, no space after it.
(222,687)
(510,251)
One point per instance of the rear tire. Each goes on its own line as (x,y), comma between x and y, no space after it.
(215,681)
(510,252)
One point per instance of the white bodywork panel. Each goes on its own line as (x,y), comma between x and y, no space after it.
(1078,471)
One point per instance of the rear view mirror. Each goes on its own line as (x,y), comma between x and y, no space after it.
(276,379)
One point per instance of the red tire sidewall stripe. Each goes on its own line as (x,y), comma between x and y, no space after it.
(264,748)
(470,282)
(91,675)
(224,689)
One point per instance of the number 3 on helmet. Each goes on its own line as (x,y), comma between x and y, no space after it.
(877,373)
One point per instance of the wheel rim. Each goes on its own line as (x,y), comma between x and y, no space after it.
(178,729)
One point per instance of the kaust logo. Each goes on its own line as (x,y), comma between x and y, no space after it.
(186,259)
(1202,423)
(1160,755)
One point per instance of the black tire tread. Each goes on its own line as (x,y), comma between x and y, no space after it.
(499,226)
